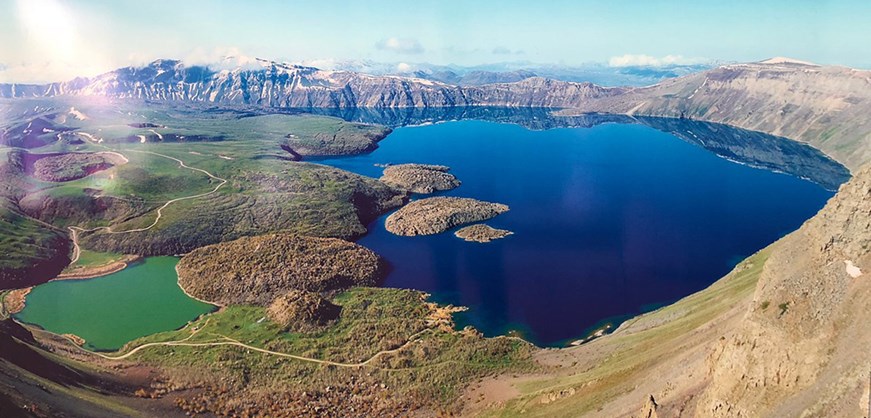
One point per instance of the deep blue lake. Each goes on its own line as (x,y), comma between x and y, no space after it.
(608,221)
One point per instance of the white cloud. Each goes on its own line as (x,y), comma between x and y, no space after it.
(404,67)
(641,60)
(224,58)
(400,45)
(501,50)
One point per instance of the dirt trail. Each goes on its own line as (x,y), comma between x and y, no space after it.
(75,230)
(233,342)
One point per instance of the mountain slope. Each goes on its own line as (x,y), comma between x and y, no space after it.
(284,85)
(826,107)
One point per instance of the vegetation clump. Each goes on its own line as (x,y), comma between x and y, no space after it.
(481,233)
(68,167)
(255,270)
(380,346)
(301,311)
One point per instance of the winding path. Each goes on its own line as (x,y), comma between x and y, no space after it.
(75,230)
(233,342)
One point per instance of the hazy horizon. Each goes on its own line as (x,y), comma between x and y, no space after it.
(49,40)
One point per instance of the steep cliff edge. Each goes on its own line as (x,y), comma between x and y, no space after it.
(803,345)
(784,334)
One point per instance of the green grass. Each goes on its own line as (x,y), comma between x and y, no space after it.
(88,258)
(372,320)
(264,193)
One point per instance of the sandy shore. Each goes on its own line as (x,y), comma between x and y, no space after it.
(98,271)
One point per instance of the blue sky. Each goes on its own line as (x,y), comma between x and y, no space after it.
(55,39)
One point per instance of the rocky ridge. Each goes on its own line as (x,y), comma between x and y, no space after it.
(286,85)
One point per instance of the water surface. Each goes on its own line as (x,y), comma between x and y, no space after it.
(112,310)
(608,221)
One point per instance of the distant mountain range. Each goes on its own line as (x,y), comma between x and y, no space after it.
(288,85)
(601,74)
(799,100)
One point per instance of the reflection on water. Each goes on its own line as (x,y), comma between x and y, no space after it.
(739,145)
(607,220)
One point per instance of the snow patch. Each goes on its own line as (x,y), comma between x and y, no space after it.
(852,269)
(785,60)
(77,114)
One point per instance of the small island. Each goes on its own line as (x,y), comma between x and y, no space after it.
(438,214)
(420,178)
(481,233)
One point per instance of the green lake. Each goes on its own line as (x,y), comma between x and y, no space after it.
(112,310)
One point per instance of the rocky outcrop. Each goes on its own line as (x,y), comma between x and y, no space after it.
(420,178)
(481,233)
(301,311)
(255,270)
(802,346)
(649,409)
(438,214)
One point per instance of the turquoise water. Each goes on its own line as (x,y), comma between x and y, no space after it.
(607,220)
(112,310)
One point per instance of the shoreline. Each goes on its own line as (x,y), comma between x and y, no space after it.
(16,300)
(81,273)
(217,306)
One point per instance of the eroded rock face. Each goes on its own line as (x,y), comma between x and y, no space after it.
(255,270)
(802,346)
(438,214)
(301,311)
(420,178)
(481,233)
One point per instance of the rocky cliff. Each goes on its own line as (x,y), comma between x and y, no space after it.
(803,344)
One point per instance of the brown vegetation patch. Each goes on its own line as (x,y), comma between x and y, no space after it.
(481,233)
(420,178)
(301,311)
(254,270)
(68,167)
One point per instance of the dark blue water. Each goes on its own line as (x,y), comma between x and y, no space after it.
(607,222)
